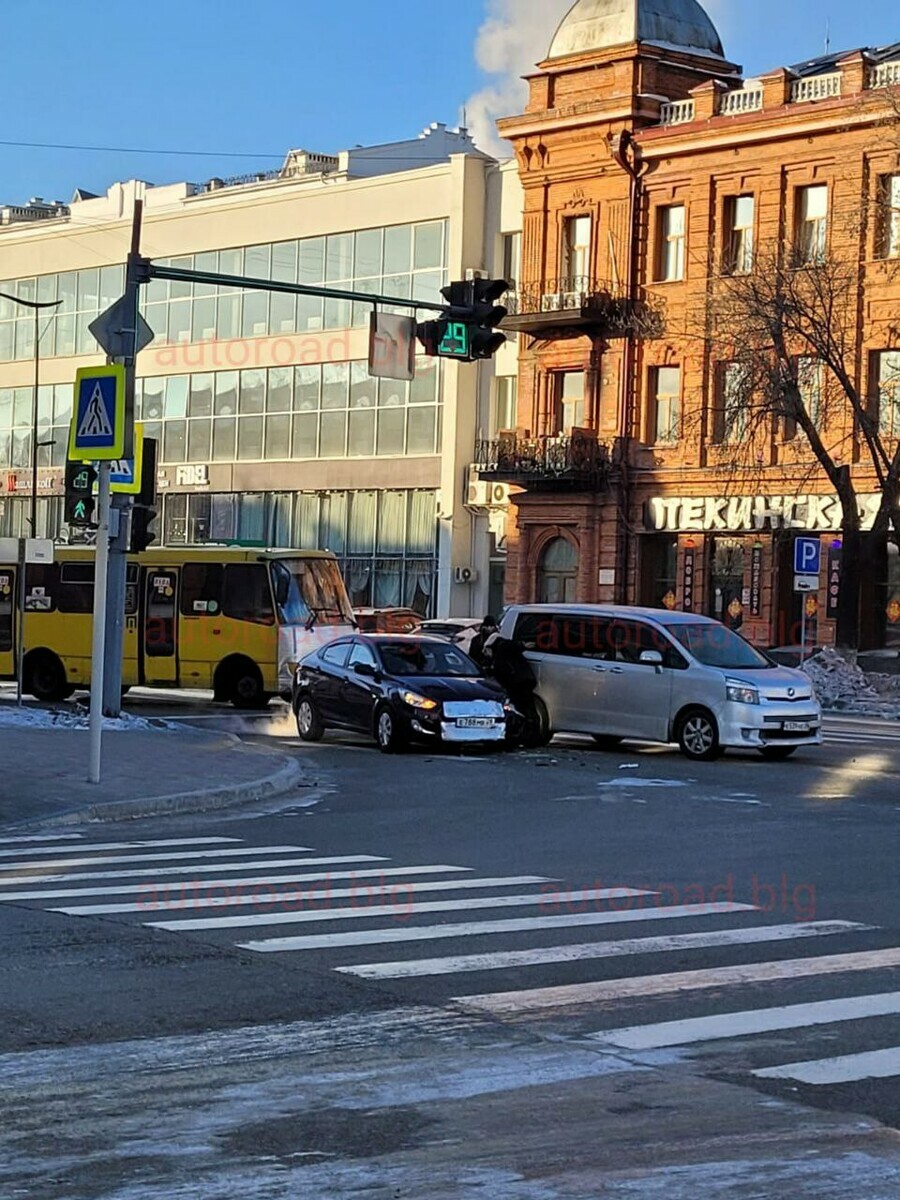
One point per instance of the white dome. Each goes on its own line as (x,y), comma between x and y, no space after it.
(599,24)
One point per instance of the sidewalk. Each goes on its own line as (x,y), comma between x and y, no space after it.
(146,771)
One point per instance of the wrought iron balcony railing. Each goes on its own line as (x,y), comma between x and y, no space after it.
(579,301)
(575,461)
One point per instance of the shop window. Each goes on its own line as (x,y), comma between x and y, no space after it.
(726,585)
(558,573)
(659,570)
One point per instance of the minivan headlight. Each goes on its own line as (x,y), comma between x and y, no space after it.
(741,693)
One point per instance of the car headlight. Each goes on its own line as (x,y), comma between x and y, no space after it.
(740,693)
(414,700)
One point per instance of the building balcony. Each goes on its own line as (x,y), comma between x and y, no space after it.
(576,462)
(560,307)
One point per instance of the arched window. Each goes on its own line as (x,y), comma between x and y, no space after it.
(558,573)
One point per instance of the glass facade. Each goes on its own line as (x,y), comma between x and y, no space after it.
(406,261)
(54,419)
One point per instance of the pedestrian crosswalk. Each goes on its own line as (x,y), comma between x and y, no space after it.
(628,969)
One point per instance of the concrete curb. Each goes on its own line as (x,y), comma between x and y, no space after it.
(287,776)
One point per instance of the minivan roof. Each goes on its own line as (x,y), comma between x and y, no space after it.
(662,616)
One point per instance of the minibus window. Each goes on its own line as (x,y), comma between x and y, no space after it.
(247,593)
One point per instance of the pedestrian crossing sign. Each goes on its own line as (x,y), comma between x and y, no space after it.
(125,473)
(98,414)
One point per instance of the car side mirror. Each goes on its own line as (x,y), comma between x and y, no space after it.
(365,669)
(651,658)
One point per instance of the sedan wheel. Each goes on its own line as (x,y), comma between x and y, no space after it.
(309,725)
(387,734)
(698,735)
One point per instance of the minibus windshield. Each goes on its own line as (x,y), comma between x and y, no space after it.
(716,646)
(310,591)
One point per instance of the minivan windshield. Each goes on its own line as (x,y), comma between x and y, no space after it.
(716,646)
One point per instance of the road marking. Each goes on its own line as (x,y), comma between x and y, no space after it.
(43,837)
(206,841)
(680,981)
(11,868)
(428,933)
(849,1068)
(313,898)
(395,910)
(562,954)
(725,1026)
(197,868)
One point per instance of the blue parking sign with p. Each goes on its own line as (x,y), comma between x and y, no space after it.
(98,414)
(807,556)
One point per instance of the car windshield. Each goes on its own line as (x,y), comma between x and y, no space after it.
(426,658)
(716,646)
(311,589)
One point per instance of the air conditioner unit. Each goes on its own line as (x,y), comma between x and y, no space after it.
(465,575)
(552,302)
(478,494)
(571,300)
(499,493)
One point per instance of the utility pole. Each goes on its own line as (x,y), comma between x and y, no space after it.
(120,533)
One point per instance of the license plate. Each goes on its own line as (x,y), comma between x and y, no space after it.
(475,723)
(797,727)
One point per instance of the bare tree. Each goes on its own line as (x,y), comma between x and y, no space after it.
(790,329)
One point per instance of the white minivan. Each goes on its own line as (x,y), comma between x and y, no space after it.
(656,676)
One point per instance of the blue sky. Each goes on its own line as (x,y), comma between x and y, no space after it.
(233,77)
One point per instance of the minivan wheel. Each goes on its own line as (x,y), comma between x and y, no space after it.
(698,735)
(537,731)
(778,753)
(309,723)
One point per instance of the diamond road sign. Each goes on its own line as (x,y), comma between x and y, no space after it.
(98,416)
(111,333)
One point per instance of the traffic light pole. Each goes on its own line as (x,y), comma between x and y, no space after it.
(98,648)
(118,548)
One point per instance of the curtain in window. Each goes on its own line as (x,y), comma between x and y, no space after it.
(223,518)
(418,585)
(306,521)
(334,522)
(363,507)
(392,522)
(252,518)
(278,520)
(422,523)
(358,576)
(388,582)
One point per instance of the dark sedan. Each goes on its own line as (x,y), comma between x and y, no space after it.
(399,690)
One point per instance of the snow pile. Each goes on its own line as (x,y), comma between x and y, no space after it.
(838,683)
(42,718)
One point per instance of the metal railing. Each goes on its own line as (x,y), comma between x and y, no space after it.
(749,98)
(576,458)
(886,74)
(816,87)
(566,294)
(676,112)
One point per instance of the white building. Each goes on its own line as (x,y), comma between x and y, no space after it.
(270,429)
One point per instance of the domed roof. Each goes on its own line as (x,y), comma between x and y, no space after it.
(598,24)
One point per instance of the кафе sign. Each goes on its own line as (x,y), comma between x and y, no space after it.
(738,514)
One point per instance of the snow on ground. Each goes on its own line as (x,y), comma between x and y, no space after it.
(43,718)
(844,687)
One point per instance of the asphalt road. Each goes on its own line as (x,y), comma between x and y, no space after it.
(567,973)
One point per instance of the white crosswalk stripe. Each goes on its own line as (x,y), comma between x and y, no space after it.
(366,916)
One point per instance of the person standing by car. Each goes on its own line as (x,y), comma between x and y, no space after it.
(505,660)
(476,649)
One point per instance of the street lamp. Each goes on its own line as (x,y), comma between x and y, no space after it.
(37,307)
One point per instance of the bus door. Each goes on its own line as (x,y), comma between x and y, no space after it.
(159,626)
(130,654)
(7,622)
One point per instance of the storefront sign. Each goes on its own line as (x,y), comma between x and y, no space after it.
(687,580)
(734,514)
(756,581)
(192,476)
(20,483)
(834,580)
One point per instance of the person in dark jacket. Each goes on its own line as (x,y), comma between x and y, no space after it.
(506,661)
(487,630)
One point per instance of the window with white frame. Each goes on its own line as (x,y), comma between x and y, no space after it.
(671,241)
(740,212)
(571,400)
(887,376)
(812,223)
(734,399)
(665,383)
(512,259)
(576,254)
(810,378)
(890,216)
(505,403)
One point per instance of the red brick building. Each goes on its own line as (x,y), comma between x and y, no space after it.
(648,161)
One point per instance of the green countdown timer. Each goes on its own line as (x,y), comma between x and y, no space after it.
(455,342)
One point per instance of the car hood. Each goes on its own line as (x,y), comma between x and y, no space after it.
(443,688)
(782,683)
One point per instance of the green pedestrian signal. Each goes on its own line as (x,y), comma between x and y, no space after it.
(80,503)
(455,342)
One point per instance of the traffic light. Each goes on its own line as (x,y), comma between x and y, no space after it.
(468,328)
(80,504)
(145,511)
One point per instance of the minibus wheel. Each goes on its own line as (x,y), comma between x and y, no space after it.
(45,677)
(697,735)
(240,681)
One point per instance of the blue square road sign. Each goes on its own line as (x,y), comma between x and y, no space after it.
(807,556)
